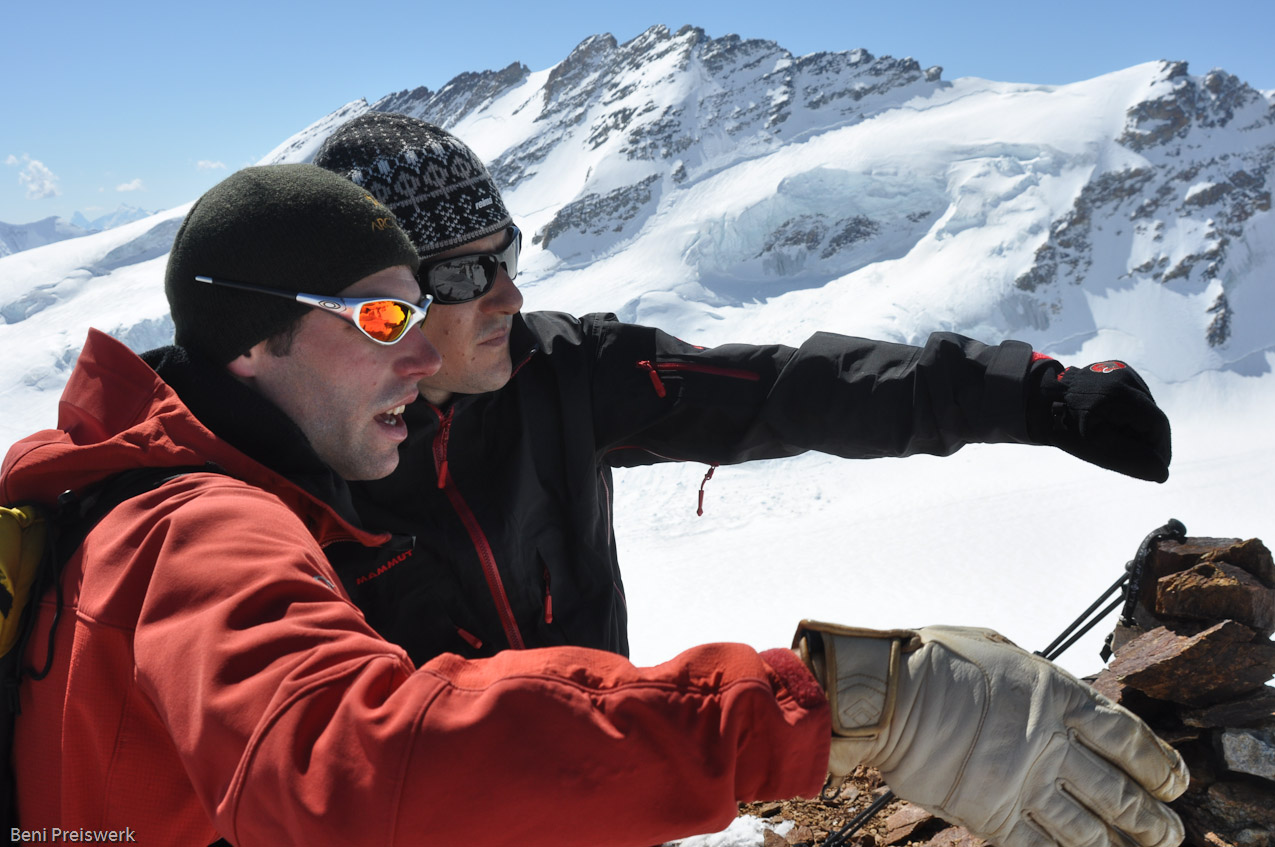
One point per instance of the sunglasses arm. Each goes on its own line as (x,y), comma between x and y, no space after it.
(260,289)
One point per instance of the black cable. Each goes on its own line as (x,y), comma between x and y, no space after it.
(838,838)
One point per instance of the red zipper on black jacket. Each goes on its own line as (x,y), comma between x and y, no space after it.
(654,370)
(477,537)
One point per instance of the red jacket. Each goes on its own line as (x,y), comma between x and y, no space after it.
(210,678)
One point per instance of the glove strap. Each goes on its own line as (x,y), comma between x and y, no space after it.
(858,669)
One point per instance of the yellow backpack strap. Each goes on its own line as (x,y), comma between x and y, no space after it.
(23,532)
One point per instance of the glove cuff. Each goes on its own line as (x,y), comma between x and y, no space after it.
(859,671)
(1043,391)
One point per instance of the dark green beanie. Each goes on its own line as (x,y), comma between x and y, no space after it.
(294,227)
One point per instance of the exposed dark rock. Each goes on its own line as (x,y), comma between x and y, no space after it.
(1253,710)
(1218,664)
(1249,751)
(463,94)
(1216,590)
(1229,744)
(594,214)
(910,823)
(956,836)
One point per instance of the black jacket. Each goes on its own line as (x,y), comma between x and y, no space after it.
(508,494)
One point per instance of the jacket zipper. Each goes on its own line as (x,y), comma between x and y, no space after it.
(548,598)
(653,371)
(476,535)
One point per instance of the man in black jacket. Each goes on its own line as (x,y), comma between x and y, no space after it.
(503,495)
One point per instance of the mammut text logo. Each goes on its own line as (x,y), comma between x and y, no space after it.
(1107,367)
(383,568)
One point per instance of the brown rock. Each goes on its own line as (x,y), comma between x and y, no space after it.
(848,793)
(1218,664)
(1251,555)
(1170,557)
(770,838)
(1176,556)
(801,835)
(1240,806)
(1253,710)
(909,822)
(769,810)
(1111,686)
(956,836)
(1217,591)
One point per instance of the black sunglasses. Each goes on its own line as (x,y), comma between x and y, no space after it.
(459,279)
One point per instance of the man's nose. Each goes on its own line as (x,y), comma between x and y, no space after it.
(418,358)
(504,297)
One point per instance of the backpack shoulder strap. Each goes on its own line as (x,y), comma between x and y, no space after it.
(77,514)
(56,532)
(70,523)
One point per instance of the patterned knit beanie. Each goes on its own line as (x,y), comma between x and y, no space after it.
(293,227)
(440,191)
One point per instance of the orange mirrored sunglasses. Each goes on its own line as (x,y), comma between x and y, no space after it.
(385,320)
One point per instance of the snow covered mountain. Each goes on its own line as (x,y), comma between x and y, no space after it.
(726,190)
(123,214)
(705,178)
(15,238)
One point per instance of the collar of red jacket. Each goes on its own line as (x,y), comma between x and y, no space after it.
(116,413)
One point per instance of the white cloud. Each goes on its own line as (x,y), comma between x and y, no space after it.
(39,180)
(135,185)
(206,165)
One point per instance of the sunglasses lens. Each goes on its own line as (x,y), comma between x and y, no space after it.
(462,279)
(509,256)
(383,320)
(466,278)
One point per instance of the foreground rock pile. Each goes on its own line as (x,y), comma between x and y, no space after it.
(1194,660)
(1195,663)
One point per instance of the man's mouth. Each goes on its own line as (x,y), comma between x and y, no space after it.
(497,337)
(391,417)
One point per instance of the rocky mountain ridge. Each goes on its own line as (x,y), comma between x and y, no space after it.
(746,173)
(723,188)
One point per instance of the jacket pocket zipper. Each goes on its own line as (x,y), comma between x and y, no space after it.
(654,369)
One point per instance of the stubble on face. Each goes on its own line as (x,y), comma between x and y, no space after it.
(473,337)
(342,389)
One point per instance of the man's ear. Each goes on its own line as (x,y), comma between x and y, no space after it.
(244,367)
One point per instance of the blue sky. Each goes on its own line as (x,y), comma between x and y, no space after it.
(150,103)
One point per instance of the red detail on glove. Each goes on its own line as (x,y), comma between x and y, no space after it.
(1107,367)
(1040,357)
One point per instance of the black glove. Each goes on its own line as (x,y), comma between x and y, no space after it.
(1104,414)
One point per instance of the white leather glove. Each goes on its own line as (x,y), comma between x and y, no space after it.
(981,733)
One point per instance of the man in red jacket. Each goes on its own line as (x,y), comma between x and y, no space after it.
(211,680)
